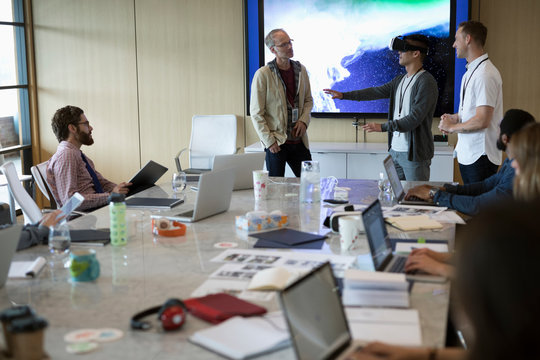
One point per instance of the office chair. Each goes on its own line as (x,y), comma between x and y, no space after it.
(210,135)
(39,172)
(31,211)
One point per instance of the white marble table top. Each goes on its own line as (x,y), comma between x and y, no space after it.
(151,269)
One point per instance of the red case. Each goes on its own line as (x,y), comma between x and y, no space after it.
(219,307)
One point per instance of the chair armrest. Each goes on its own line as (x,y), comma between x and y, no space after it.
(177,159)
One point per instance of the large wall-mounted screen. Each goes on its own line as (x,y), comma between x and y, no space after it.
(344,45)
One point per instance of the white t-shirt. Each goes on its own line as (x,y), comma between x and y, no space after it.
(400,140)
(482,85)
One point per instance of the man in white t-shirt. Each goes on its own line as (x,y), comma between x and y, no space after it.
(480,108)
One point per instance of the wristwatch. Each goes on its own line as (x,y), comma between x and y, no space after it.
(432,192)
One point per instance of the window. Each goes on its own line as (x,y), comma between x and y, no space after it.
(15,136)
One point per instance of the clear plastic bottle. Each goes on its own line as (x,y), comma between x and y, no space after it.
(310,182)
(117,212)
(384,186)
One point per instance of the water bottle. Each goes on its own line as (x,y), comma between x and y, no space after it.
(384,185)
(310,182)
(117,212)
(59,241)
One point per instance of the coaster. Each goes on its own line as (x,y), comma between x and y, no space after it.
(106,335)
(81,336)
(225,245)
(81,348)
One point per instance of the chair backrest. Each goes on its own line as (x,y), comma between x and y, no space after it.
(31,211)
(211,135)
(42,170)
(39,181)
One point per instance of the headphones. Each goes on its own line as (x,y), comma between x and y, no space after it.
(172,315)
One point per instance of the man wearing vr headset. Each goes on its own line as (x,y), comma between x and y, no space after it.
(413,97)
(480,107)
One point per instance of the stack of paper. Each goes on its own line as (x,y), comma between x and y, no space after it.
(369,288)
(240,338)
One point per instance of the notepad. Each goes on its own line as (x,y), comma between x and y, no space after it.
(26,269)
(289,238)
(275,278)
(241,338)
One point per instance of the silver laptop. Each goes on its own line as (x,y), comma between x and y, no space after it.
(243,166)
(399,193)
(315,317)
(213,197)
(9,238)
(380,246)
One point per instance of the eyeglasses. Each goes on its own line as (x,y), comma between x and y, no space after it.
(286,44)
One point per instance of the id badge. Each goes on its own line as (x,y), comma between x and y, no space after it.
(294,115)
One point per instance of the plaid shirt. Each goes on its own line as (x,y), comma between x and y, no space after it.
(67,174)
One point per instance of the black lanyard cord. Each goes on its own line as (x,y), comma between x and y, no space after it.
(468,80)
(402,92)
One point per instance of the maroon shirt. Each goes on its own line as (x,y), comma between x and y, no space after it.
(290,84)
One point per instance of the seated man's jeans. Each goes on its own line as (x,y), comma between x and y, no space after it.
(480,170)
(292,154)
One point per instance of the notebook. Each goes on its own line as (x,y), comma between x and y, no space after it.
(289,239)
(154,203)
(315,316)
(89,237)
(399,193)
(243,166)
(8,245)
(146,177)
(380,245)
(213,197)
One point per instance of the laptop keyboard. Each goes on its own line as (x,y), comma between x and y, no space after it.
(415,198)
(399,265)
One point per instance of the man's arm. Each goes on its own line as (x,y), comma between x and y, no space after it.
(258,109)
(373,93)
(480,121)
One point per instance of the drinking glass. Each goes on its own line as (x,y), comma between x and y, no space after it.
(310,178)
(179,182)
(59,241)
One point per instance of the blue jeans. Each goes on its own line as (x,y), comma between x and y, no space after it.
(410,170)
(292,154)
(479,170)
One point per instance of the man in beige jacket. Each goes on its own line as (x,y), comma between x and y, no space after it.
(281,105)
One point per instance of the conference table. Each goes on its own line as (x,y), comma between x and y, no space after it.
(151,269)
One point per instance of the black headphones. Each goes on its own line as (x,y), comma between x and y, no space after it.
(172,315)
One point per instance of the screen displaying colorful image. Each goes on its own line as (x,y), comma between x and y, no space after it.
(344,45)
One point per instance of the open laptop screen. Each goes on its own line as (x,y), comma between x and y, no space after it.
(315,315)
(393,177)
(376,234)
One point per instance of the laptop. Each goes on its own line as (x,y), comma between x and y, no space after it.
(243,166)
(146,177)
(399,193)
(213,197)
(8,245)
(316,318)
(380,246)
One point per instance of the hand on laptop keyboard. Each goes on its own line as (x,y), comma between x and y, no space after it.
(420,192)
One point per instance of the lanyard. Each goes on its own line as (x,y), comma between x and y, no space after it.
(402,92)
(467,83)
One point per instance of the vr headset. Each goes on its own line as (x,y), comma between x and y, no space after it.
(399,43)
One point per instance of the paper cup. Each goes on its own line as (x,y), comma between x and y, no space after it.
(350,230)
(260,184)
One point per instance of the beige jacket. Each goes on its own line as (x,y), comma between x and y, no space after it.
(268,105)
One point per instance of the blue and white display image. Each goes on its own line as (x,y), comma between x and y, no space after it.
(344,45)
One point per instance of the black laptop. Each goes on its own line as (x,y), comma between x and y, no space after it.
(146,177)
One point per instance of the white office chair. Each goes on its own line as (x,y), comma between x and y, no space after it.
(210,135)
(39,172)
(31,211)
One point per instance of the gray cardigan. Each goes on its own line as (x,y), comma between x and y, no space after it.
(424,94)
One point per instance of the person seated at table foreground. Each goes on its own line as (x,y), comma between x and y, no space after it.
(496,284)
(37,234)
(470,198)
(525,149)
(69,170)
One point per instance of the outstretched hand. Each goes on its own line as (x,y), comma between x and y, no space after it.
(335,94)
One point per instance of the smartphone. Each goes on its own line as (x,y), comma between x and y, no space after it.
(72,204)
